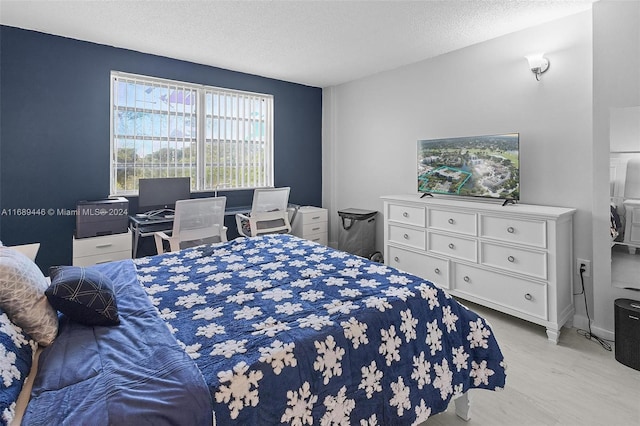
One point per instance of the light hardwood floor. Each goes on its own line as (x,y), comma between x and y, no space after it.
(576,382)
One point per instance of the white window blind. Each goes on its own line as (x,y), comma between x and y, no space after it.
(221,138)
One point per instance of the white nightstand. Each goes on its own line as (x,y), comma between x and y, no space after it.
(310,223)
(107,248)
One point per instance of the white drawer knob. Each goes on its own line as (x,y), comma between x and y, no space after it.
(397,259)
(406,236)
(467,279)
(528,296)
(511,230)
(437,271)
(405,214)
(451,221)
(451,246)
(511,259)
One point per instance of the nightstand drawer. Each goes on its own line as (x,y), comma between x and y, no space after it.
(106,248)
(103,244)
(314,228)
(101,258)
(309,215)
(319,238)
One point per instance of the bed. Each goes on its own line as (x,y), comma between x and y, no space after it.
(265,330)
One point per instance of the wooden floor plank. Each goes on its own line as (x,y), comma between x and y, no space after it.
(576,382)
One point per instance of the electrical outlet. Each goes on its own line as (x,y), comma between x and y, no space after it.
(587,267)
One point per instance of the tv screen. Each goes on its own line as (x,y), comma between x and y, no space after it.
(475,166)
(162,193)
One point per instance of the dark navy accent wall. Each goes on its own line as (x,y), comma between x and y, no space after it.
(54,134)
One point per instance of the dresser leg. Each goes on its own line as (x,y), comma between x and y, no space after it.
(553,335)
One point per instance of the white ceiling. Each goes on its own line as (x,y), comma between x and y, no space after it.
(316,43)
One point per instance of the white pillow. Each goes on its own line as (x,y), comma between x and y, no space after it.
(22,297)
(29,250)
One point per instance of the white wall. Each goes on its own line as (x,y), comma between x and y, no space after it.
(371,126)
(616,84)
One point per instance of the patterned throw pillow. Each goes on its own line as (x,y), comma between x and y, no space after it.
(22,287)
(85,295)
(16,356)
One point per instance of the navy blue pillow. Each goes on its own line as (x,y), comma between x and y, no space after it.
(85,295)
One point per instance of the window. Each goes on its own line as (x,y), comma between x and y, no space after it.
(221,138)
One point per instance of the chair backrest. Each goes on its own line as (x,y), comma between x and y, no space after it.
(270,199)
(199,221)
(269,212)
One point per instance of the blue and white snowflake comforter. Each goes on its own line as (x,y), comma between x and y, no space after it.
(288,331)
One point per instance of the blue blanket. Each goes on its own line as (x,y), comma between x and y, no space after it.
(133,373)
(288,331)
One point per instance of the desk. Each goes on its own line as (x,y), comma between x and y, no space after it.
(147,226)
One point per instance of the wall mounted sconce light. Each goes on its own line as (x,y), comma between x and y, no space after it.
(538,64)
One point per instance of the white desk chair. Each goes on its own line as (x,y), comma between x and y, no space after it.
(197,221)
(269,213)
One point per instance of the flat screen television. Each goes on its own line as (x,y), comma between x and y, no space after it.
(473,166)
(160,194)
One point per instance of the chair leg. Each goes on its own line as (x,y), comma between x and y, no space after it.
(159,245)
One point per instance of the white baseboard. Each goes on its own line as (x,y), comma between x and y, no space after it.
(581,321)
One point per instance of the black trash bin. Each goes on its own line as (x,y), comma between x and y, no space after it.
(358,233)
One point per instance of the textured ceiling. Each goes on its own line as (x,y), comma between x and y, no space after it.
(316,43)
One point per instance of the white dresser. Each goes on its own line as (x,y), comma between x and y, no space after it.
(311,223)
(94,250)
(515,258)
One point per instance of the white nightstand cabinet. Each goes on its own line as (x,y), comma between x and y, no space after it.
(107,248)
(516,259)
(310,223)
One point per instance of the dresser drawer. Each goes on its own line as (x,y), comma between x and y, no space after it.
(446,220)
(407,214)
(528,262)
(521,295)
(103,244)
(519,231)
(407,236)
(427,267)
(310,215)
(447,245)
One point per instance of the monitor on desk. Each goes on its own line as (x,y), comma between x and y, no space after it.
(159,195)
